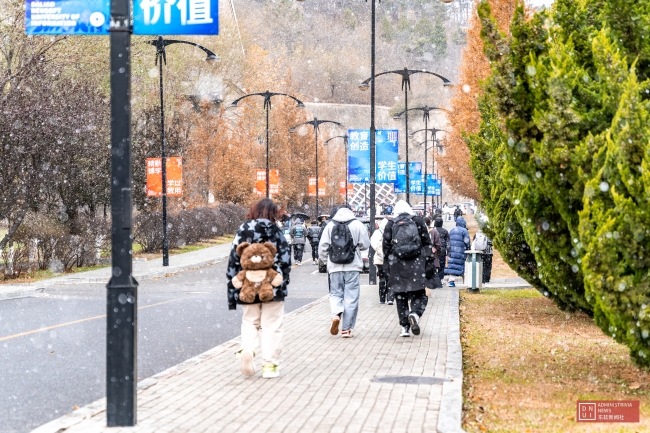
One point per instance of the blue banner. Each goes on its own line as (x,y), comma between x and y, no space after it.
(67,17)
(400,185)
(387,155)
(359,155)
(415,178)
(434,187)
(176,17)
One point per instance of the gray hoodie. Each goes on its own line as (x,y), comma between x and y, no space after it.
(359,234)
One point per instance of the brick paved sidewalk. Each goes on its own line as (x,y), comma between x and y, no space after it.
(326,382)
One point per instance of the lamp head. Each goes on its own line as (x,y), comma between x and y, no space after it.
(212,58)
(364,86)
(397,117)
(448,84)
(300,104)
(292,130)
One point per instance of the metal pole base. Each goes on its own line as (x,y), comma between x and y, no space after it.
(473,291)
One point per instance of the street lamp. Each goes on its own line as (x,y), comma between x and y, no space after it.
(161,56)
(267,106)
(425,116)
(316,124)
(406,86)
(436,144)
(345,142)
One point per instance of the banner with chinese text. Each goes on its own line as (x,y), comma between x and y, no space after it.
(260,182)
(434,187)
(415,178)
(176,17)
(386,142)
(174,177)
(321,187)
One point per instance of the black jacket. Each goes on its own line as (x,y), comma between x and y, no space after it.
(408,275)
(260,230)
(444,236)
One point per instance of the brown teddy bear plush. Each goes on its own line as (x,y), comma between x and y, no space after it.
(257,276)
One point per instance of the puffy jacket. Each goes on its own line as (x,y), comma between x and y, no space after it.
(376,241)
(407,275)
(460,242)
(260,230)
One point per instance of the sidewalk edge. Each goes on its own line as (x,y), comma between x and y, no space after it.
(451,406)
(63,423)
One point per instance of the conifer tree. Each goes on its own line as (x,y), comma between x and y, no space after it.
(614,225)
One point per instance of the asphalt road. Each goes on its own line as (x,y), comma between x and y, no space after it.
(53,347)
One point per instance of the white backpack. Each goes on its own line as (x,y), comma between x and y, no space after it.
(480,242)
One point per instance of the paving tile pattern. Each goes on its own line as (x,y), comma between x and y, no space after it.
(325,383)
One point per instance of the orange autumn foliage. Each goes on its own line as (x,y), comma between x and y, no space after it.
(465,117)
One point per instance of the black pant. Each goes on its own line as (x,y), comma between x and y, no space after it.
(487,267)
(314,250)
(298,249)
(441,269)
(418,301)
(384,291)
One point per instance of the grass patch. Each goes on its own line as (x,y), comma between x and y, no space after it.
(526,363)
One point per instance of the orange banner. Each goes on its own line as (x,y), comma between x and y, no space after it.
(174,177)
(321,187)
(350,187)
(260,182)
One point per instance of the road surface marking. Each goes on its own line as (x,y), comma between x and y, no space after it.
(314,272)
(22,334)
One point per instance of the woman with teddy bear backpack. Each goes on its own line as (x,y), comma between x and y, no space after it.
(258,276)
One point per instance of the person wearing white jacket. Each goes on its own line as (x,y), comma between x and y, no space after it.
(345,285)
(385,293)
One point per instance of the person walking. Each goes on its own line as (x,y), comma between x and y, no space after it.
(444,246)
(313,235)
(298,240)
(378,259)
(457,212)
(434,282)
(459,243)
(340,247)
(407,247)
(261,317)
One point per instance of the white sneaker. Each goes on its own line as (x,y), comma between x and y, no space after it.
(414,320)
(247,365)
(405,332)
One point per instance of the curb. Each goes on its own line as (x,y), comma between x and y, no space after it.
(63,423)
(15,292)
(30,289)
(451,406)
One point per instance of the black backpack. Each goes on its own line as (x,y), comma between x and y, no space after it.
(342,248)
(406,238)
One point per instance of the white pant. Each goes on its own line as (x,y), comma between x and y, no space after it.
(267,318)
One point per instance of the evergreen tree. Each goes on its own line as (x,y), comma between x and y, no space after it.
(614,225)
(496,187)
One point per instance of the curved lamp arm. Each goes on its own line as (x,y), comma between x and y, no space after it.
(344,137)
(267,99)
(406,77)
(434,130)
(316,124)
(425,112)
(161,43)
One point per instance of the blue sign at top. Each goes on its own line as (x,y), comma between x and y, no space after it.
(176,17)
(67,17)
